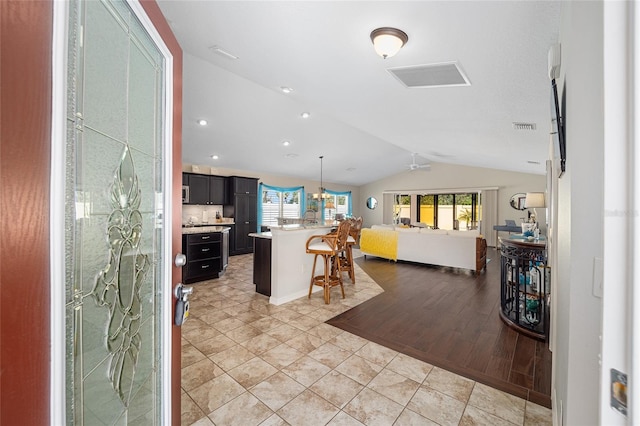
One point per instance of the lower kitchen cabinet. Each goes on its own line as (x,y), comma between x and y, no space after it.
(243,243)
(207,256)
(262,265)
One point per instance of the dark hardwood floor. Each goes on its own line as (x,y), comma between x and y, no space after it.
(449,318)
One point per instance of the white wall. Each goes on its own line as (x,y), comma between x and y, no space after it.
(450,176)
(620,278)
(580,217)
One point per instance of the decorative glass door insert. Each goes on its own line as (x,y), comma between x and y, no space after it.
(114,263)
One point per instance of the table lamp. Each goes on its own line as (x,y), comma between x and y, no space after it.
(533,200)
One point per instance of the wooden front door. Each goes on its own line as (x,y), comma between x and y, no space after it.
(32,348)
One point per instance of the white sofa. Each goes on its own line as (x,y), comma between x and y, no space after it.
(456,249)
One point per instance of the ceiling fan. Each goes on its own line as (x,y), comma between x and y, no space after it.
(415,166)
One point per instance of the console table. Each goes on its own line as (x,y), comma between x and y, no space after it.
(524,286)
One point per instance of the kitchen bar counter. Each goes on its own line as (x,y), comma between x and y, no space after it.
(265,235)
(290,263)
(206,229)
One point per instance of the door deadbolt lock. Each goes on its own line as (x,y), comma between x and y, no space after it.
(180,260)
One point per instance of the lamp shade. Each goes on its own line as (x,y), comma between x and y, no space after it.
(534,199)
(388,41)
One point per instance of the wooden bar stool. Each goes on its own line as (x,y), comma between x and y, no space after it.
(328,246)
(346,255)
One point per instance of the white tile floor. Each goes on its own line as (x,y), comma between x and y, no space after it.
(247,362)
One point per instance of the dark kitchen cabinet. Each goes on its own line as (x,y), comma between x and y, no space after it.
(217,190)
(198,189)
(262,265)
(206,189)
(242,185)
(207,256)
(243,208)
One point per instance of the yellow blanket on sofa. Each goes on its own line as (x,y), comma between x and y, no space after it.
(379,242)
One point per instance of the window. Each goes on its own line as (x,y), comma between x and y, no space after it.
(334,203)
(402,209)
(449,211)
(278,202)
(426,212)
(466,211)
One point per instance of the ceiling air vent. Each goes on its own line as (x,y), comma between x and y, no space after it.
(524,126)
(433,75)
(220,51)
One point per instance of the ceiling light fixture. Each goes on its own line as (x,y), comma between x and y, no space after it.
(202,122)
(305,115)
(286,89)
(215,157)
(321,195)
(388,41)
(286,143)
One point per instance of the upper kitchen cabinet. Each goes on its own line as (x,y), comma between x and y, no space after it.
(198,189)
(205,189)
(217,190)
(243,185)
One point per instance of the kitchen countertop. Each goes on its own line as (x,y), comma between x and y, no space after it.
(301,227)
(266,235)
(205,229)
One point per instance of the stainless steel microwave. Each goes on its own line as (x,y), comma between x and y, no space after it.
(185,194)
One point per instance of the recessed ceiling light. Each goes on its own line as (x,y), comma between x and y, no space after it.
(202,122)
(286,143)
(215,157)
(305,115)
(286,89)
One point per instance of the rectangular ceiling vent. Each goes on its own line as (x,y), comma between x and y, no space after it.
(524,126)
(433,75)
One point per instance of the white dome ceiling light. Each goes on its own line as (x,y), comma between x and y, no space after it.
(388,41)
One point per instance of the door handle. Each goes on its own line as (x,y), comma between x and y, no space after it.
(180,260)
(182,304)
(182,292)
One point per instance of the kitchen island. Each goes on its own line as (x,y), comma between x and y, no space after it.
(290,265)
(207,251)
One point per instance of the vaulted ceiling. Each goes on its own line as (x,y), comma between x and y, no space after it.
(362,119)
